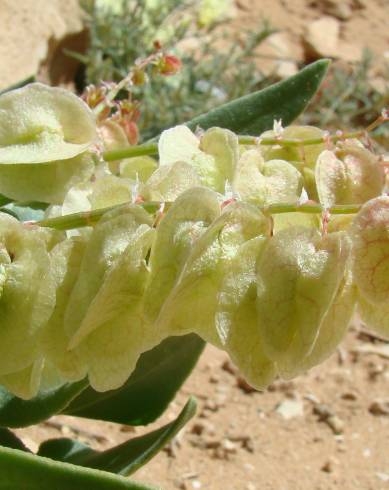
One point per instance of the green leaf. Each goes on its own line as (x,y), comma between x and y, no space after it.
(154,383)
(22,471)
(124,459)
(8,439)
(4,200)
(15,412)
(16,85)
(256,112)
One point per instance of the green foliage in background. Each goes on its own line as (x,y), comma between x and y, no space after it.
(215,69)
(348,99)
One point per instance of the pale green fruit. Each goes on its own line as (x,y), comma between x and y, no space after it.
(299,273)
(187,219)
(197,290)
(37,125)
(107,243)
(282,221)
(236,316)
(25,383)
(264,183)
(375,316)
(102,193)
(113,138)
(45,182)
(138,168)
(27,294)
(333,328)
(178,144)
(169,181)
(352,175)
(213,156)
(66,258)
(370,236)
(340,222)
(223,146)
(310,183)
(113,333)
(307,154)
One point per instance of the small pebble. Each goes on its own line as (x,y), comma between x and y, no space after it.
(349,396)
(383,476)
(203,426)
(289,409)
(244,386)
(327,467)
(379,407)
(229,367)
(336,424)
(327,415)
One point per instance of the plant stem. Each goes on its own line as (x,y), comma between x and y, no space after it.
(152,148)
(131,151)
(89,218)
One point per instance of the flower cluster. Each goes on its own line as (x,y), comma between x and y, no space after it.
(264,250)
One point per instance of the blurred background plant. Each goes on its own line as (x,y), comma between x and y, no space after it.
(217,65)
(348,99)
(123,31)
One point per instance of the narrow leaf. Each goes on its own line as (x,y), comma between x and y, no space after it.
(8,439)
(124,459)
(256,112)
(20,470)
(154,383)
(15,412)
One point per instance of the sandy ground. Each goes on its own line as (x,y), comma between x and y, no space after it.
(336,436)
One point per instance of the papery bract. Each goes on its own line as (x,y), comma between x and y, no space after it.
(213,156)
(27,294)
(236,316)
(45,182)
(113,138)
(370,236)
(109,239)
(268,182)
(66,258)
(198,287)
(169,181)
(26,382)
(138,168)
(333,327)
(375,316)
(299,273)
(307,154)
(351,175)
(113,334)
(183,224)
(37,125)
(107,191)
